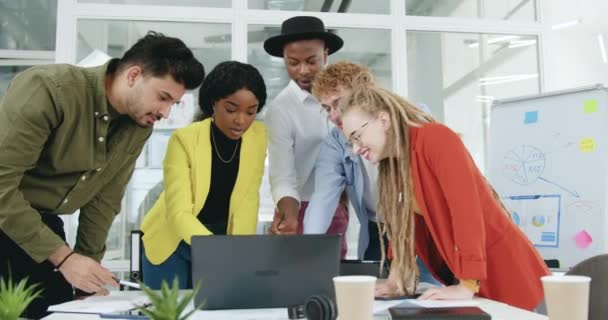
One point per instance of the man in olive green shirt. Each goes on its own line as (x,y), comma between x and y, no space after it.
(69,138)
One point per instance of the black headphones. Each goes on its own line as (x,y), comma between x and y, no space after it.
(317,307)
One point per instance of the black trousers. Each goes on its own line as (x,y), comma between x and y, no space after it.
(16,263)
(373,251)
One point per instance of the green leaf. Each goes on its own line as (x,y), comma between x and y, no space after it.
(14,298)
(167,303)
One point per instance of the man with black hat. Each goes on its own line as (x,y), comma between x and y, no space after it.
(296,124)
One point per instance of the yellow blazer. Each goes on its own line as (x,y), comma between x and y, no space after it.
(187,177)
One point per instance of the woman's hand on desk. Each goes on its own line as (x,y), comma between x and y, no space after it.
(386,288)
(454,292)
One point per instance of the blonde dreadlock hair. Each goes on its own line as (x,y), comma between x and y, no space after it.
(395,185)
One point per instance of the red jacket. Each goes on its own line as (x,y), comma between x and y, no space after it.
(464,226)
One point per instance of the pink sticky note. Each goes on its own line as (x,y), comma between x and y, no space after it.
(583,239)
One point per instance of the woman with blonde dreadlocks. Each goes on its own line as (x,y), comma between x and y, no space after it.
(436,204)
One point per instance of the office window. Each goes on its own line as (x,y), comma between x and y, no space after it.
(518,10)
(342,6)
(114,37)
(98,40)
(178,3)
(6,75)
(459,75)
(27,36)
(28,25)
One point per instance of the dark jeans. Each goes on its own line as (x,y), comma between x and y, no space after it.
(179,264)
(16,263)
(373,251)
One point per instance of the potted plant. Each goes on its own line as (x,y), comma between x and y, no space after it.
(14,298)
(168,303)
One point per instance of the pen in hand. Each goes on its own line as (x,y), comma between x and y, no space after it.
(128,284)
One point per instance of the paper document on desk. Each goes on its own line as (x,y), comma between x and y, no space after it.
(105,304)
(244,314)
(381,307)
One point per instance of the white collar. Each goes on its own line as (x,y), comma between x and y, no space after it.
(300,94)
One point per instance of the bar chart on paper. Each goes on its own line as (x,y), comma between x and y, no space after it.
(548,160)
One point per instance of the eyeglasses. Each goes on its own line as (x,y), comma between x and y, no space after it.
(355,136)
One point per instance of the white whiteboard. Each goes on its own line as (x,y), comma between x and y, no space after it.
(548,159)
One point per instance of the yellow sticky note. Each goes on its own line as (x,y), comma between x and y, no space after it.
(590,106)
(587,145)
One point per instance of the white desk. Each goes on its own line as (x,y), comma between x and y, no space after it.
(499,311)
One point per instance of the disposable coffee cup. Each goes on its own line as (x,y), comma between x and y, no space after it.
(567,297)
(355,297)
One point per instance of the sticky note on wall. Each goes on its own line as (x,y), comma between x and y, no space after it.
(531,117)
(587,145)
(590,106)
(583,239)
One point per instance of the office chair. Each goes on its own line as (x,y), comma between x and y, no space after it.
(596,268)
(552,263)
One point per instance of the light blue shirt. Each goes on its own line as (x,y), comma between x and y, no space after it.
(336,168)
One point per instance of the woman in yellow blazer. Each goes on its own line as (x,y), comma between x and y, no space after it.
(212,174)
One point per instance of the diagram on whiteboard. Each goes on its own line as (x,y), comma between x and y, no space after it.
(582,209)
(537,216)
(525,165)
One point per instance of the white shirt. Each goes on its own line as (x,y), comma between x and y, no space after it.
(370,186)
(296,125)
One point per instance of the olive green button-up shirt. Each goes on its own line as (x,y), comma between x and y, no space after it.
(63,148)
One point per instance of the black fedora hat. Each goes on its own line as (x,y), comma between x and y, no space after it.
(302,28)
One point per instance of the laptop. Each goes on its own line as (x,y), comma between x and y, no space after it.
(263,271)
(363,268)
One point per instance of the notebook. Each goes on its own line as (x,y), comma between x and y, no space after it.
(401,312)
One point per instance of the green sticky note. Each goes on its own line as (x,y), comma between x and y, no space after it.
(590,106)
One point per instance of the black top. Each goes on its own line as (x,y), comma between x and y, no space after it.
(224,170)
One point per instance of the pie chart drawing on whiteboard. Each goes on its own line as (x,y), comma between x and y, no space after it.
(538,221)
(524,165)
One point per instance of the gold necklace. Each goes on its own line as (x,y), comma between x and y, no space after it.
(218,153)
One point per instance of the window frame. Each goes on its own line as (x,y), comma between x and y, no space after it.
(240,17)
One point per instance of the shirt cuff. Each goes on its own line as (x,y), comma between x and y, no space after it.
(282,192)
